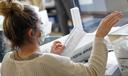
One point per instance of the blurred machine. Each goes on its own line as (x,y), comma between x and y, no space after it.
(95,10)
(103,5)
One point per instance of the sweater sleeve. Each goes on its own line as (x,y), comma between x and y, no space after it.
(98,58)
(95,67)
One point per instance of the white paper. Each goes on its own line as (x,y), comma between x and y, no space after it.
(1,22)
(122,31)
(47,25)
(76,34)
(73,40)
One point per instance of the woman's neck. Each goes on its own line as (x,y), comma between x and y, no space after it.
(28,50)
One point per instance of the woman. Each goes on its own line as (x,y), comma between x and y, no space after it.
(22,27)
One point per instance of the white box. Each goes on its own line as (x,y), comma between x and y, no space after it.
(119,40)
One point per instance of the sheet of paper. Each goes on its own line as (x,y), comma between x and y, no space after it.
(76,18)
(73,40)
(47,25)
(76,34)
(123,30)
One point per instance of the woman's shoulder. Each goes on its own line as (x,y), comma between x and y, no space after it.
(51,56)
(54,59)
(7,56)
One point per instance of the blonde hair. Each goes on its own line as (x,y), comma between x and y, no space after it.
(18,19)
(9,5)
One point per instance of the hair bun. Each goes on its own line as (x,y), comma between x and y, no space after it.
(10,5)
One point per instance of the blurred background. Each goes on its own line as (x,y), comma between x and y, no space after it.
(92,11)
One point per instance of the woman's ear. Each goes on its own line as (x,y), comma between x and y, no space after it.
(30,33)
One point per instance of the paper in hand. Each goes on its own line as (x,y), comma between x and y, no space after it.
(76,34)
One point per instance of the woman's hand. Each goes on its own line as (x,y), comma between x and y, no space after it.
(107,23)
(57,47)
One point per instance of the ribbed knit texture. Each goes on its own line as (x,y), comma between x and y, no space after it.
(54,65)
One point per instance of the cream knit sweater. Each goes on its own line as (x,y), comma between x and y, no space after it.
(54,65)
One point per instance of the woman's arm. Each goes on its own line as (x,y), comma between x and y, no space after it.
(98,59)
